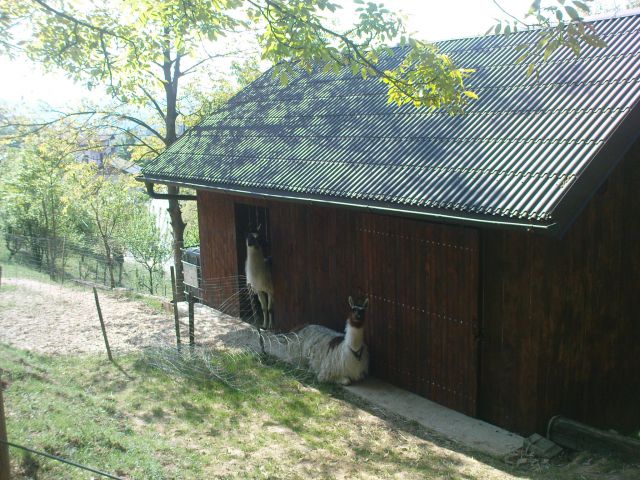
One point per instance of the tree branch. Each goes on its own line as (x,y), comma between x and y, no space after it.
(154,102)
(137,122)
(212,57)
(82,23)
(38,126)
(513,17)
(353,47)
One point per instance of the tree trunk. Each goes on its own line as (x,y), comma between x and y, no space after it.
(109,256)
(150,281)
(177,226)
(171,94)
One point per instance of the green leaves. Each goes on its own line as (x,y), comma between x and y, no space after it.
(296,34)
(427,78)
(573,13)
(146,243)
(559,26)
(34,185)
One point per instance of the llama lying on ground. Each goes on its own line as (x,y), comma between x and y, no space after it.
(259,279)
(336,357)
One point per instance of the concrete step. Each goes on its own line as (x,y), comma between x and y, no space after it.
(453,425)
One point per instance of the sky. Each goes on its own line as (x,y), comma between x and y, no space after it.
(24,84)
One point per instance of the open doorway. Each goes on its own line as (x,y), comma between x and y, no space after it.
(248,219)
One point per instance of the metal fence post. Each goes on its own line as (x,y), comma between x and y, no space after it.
(175,305)
(104,330)
(192,333)
(64,244)
(5,467)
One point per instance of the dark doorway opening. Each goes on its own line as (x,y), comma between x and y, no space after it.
(248,219)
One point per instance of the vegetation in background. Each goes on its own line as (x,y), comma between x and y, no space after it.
(110,202)
(150,247)
(34,186)
(66,217)
(192,232)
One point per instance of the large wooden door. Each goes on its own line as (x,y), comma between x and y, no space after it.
(422,281)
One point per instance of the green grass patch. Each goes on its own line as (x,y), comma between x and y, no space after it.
(157,415)
(152,302)
(142,421)
(16,269)
(8,288)
(89,267)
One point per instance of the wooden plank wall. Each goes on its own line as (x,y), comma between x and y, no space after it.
(218,251)
(421,279)
(561,326)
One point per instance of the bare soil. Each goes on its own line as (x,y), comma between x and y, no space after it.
(54,319)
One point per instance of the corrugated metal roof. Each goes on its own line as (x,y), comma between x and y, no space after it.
(515,156)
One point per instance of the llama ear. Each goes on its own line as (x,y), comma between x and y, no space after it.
(350,301)
(365,303)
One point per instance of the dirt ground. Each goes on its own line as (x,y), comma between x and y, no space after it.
(54,319)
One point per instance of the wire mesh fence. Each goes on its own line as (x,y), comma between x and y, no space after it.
(57,259)
(50,280)
(47,306)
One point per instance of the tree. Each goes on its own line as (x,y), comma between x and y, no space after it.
(559,25)
(110,204)
(33,192)
(192,232)
(142,50)
(149,247)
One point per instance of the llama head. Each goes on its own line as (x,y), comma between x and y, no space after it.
(254,240)
(356,317)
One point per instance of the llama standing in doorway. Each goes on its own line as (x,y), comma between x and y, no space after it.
(336,357)
(259,279)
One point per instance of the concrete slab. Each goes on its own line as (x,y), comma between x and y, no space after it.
(455,426)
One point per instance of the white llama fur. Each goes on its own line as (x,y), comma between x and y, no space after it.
(259,279)
(343,361)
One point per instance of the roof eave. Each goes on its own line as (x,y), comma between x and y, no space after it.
(434,215)
(596,173)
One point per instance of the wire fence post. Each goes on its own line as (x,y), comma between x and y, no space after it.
(104,330)
(192,332)
(175,305)
(64,244)
(5,467)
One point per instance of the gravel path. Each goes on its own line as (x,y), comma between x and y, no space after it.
(57,319)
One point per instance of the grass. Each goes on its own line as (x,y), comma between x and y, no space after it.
(23,265)
(16,269)
(137,421)
(148,419)
(152,302)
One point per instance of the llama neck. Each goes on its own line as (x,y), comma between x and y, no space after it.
(254,254)
(255,260)
(354,337)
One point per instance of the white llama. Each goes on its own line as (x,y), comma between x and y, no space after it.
(335,357)
(259,279)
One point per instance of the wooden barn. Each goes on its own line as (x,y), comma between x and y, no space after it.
(500,249)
